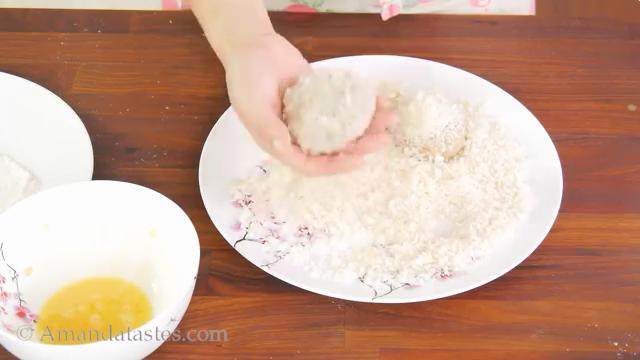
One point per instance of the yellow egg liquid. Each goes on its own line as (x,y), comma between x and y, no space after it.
(91,310)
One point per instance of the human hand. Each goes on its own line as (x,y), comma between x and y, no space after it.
(258,71)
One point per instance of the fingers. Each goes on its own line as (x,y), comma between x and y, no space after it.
(273,136)
(376,136)
(368,144)
(384,118)
(317,165)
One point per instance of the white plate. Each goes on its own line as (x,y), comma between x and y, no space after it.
(41,132)
(230,154)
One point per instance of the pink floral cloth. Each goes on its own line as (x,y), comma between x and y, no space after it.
(391,8)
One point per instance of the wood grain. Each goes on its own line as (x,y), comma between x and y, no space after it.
(149,89)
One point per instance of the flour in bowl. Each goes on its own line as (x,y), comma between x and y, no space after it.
(411,213)
(16,182)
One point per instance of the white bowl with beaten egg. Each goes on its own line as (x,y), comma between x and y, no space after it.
(97,229)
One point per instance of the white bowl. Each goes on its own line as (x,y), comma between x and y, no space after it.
(88,229)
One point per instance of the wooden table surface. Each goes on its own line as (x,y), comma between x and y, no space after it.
(149,89)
